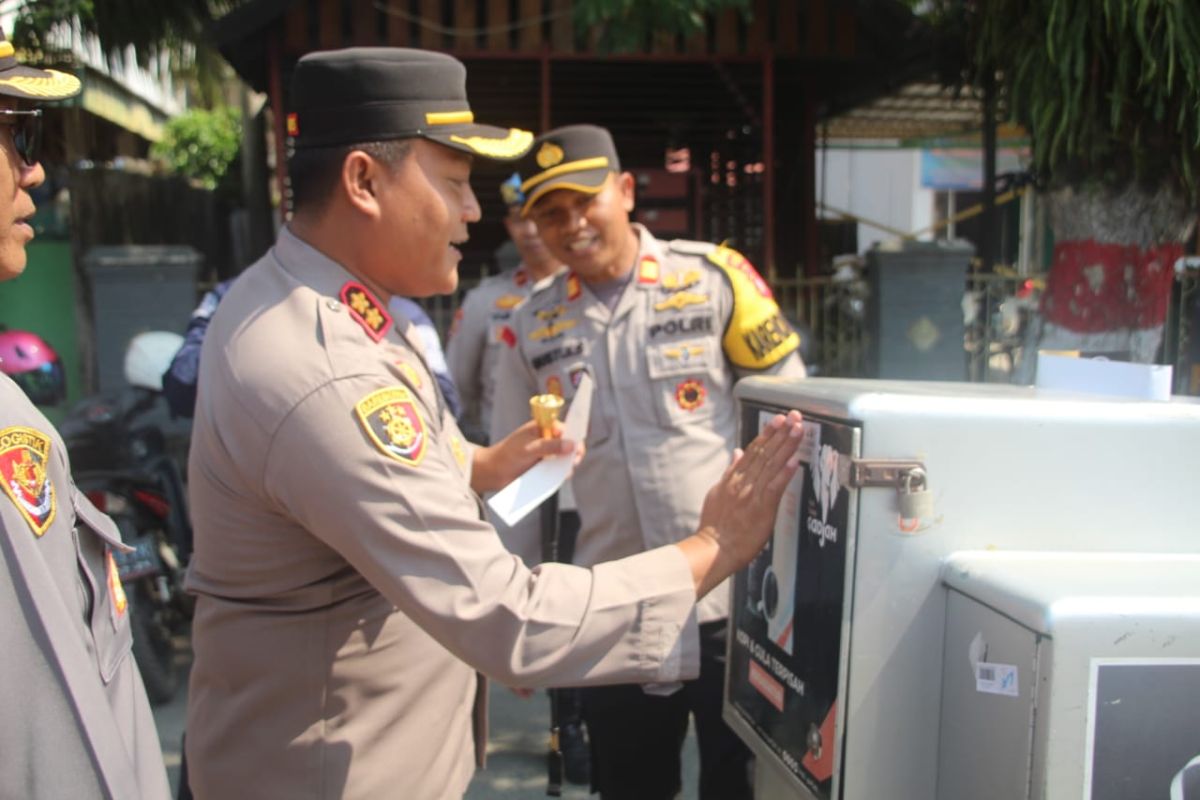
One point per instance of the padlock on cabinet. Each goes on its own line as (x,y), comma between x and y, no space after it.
(915,499)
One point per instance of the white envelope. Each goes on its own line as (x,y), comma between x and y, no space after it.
(544,478)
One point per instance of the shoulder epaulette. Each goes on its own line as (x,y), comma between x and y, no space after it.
(688,247)
(366,310)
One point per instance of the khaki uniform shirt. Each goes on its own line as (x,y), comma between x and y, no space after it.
(76,721)
(663,420)
(475,341)
(347,589)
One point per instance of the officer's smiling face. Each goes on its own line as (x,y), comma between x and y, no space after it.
(590,233)
(16,206)
(427,204)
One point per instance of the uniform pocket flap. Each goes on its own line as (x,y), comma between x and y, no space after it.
(679,358)
(100,523)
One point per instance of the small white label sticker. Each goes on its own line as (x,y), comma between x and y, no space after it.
(996,679)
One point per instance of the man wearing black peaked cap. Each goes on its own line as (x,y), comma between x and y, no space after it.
(76,721)
(347,586)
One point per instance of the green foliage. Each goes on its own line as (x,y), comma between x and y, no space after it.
(150,27)
(625,25)
(147,25)
(1109,90)
(202,146)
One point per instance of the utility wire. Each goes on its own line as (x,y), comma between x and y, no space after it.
(422,22)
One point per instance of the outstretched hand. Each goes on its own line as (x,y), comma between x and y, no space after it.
(497,466)
(739,510)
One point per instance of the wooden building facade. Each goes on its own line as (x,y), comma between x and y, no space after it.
(719,127)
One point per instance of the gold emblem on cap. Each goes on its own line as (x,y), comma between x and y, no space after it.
(549,154)
(514,145)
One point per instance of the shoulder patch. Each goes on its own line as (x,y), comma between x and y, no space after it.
(574,287)
(392,421)
(688,247)
(757,335)
(366,310)
(24,457)
(648,271)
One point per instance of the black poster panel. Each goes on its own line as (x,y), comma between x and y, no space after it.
(788,608)
(1146,739)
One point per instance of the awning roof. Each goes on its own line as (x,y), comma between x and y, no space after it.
(918,114)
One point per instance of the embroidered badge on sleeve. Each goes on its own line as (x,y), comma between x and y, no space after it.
(24,456)
(757,336)
(392,421)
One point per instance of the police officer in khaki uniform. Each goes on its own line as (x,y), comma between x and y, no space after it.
(76,721)
(475,337)
(664,329)
(347,587)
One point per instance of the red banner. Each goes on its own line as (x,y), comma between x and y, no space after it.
(1096,287)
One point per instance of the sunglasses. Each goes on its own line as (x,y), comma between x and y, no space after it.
(26,127)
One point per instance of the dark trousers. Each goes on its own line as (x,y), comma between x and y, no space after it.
(636,738)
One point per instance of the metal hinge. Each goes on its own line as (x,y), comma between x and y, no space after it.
(900,474)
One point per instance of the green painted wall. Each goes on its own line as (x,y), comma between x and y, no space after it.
(42,300)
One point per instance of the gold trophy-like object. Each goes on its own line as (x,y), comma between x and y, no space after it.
(545,409)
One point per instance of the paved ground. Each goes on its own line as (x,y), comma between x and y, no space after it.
(516,751)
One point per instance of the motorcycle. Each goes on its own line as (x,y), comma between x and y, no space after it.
(120,460)
(999,313)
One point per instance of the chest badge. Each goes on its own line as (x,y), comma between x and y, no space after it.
(392,421)
(508,302)
(366,310)
(690,394)
(681,300)
(115,590)
(674,281)
(24,457)
(553,330)
(410,374)
(459,451)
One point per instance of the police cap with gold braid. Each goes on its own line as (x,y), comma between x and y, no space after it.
(369,94)
(18,80)
(575,157)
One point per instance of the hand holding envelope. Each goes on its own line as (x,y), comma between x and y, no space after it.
(528,491)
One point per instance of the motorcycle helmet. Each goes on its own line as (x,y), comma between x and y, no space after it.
(148,356)
(34,366)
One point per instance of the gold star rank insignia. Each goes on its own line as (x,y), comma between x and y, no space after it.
(393,423)
(366,310)
(24,457)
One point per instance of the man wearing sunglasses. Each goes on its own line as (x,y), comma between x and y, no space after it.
(76,719)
